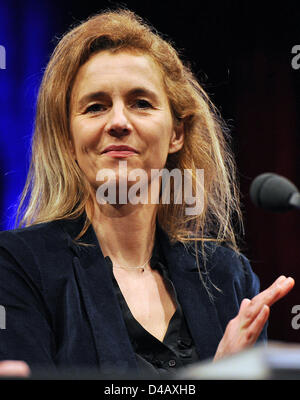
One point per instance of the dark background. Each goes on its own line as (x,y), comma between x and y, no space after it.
(239,50)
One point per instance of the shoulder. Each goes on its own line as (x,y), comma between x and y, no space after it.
(216,257)
(221,258)
(36,237)
(33,249)
(226,269)
(35,256)
(231,271)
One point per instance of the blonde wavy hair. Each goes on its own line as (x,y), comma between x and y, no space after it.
(56,188)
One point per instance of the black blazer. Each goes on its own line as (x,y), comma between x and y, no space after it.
(61,309)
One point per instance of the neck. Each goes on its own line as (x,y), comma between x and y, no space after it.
(125,233)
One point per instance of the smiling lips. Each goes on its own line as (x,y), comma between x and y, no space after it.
(119,151)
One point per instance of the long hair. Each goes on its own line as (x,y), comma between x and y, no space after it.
(55,186)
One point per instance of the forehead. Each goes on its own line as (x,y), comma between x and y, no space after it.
(121,70)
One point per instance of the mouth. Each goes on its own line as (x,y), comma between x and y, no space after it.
(119,151)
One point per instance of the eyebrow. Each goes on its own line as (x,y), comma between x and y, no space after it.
(138,91)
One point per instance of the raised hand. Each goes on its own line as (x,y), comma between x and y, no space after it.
(243,330)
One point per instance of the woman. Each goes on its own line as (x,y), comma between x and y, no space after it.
(126,285)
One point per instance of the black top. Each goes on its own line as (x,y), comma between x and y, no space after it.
(177,348)
(61,307)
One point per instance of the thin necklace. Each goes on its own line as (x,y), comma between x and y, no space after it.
(142,267)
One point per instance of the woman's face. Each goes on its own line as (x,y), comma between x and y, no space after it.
(118,99)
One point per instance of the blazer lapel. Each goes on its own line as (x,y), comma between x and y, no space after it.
(200,313)
(112,343)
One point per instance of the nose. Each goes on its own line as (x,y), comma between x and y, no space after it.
(118,123)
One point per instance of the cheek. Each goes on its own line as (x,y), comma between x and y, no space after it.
(163,143)
(84,135)
(158,135)
(158,152)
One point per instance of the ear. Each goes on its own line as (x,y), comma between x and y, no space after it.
(177,139)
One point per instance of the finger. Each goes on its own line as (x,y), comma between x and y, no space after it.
(271,290)
(14,368)
(248,313)
(244,305)
(250,310)
(280,290)
(276,291)
(285,288)
(254,330)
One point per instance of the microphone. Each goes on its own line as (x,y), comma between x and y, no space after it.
(274,193)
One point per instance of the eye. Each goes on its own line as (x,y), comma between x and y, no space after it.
(141,103)
(94,108)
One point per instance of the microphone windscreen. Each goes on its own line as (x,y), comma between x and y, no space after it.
(272,192)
